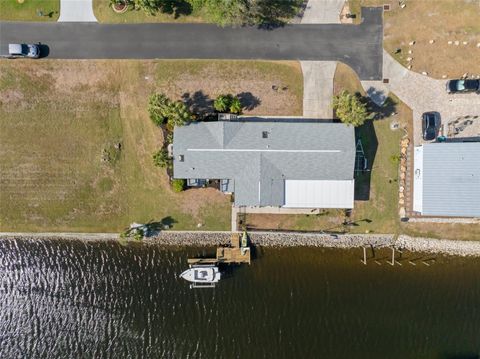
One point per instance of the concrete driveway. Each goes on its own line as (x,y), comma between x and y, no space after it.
(76,11)
(358,46)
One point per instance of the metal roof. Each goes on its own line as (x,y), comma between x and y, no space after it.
(260,155)
(451,179)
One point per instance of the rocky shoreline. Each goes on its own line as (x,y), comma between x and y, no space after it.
(283,239)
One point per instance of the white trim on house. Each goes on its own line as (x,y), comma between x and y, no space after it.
(418,179)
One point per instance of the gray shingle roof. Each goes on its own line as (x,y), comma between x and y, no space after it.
(451,179)
(259,166)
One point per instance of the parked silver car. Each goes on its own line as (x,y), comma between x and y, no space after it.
(23,50)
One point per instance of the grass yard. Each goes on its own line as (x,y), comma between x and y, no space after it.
(76,141)
(29,10)
(441,21)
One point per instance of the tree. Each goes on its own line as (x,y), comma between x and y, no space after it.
(228,103)
(159,108)
(161,159)
(222,103)
(235,105)
(178,115)
(178,185)
(349,109)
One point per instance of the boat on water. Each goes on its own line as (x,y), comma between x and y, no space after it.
(202,275)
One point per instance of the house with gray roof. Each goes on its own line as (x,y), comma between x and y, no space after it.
(446,179)
(279,163)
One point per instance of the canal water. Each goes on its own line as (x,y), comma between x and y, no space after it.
(73,299)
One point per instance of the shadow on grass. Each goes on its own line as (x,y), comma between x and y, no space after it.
(155,227)
(198,103)
(176,8)
(272,14)
(366,133)
(248,100)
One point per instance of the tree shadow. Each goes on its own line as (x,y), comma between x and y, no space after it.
(272,14)
(366,134)
(155,227)
(248,100)
(176,8)
(198,103)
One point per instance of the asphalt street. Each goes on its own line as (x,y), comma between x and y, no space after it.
(358,46)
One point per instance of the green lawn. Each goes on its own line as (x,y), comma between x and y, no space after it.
(29,10)
(76,141)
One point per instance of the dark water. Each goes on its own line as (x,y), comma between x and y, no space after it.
(107,300)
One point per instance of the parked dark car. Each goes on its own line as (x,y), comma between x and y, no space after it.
(430,125)
(463,86)
(23,50)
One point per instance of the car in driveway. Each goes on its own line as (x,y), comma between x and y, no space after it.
(430,125)
(23,50)
(463,86)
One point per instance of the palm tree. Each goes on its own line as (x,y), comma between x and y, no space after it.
(158,107)
(235,105)
(222,103)
(179,115)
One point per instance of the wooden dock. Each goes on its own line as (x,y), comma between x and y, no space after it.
(232,254)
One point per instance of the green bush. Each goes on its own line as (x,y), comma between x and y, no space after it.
(161,159)
(228,103)
(178,185)
(159,108)
(236,106)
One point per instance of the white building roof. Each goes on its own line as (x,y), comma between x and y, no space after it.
(319,194)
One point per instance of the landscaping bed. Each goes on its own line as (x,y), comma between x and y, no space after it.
(76,141)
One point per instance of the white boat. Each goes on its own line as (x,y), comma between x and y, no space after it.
(202,274)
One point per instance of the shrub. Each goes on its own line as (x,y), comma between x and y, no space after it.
(178,115)
(158,108)
(161,158)
(236,106)
(224,103)
(349,109)
(178,185)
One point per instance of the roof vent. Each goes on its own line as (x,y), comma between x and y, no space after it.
(181,158)
(265,134)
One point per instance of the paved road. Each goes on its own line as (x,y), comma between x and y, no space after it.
(358,46)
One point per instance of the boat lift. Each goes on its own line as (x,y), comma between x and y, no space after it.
(237,252)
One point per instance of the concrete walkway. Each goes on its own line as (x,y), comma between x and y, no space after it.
(76,11)
(318,88)
(422,93)
(322,12)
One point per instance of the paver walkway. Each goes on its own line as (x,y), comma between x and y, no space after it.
(422,93)
(318,88)
(322,12)
(76,11)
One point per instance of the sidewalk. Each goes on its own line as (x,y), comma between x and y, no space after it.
(76,11)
